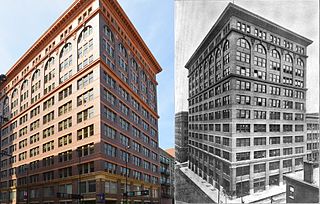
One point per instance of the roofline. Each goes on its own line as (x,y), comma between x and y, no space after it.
(55,28)
(49,32)
(222,15)
(136,35)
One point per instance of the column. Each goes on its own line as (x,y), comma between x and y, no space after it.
(267,175)
(233,178)
(251,176)
(280,172)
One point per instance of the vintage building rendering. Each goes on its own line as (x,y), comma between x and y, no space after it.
(247,99)
(79,113)
(181,136)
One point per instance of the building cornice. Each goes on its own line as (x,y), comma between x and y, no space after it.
(47,37)
(233,10)
(64,20)
(136,36)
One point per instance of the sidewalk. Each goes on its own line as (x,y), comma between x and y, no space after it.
(212,192)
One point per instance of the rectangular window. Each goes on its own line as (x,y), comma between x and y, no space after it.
(243,127)
(242,57)
(243,142)
(260,114)
(274,128)
(274,140)
(85,132)
(260,128)
(85,81)
(65,92)
(274,152)
(261,88)
(287,139)
(274,115)
(259,141)
(65,124)
(109,131)
(243,114)
(258,168)
(85,97)
(85,114)
(243,156)
(274,165)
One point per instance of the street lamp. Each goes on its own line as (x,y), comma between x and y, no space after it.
(127,158)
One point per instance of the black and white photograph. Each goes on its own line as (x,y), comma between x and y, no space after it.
(247,101)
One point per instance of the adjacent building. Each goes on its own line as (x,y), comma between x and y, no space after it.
(167,177)
(247,99)
(181,136)
(79,112)
(312,120)
(303,186)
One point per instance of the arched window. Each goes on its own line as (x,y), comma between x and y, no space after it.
(35,81)
(14,93)
(211,59)
(122,49)
(274,53)
(218,53)
(300,62)
(6,106)
(243,43)
(24,85)
(288,58)
(36,75)
(226,45)
(66,49)
(85,33)
(107,31)
(14,98)
(260,49)
(49,63)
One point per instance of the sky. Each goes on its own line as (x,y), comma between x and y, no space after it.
(152,18)
(194,18)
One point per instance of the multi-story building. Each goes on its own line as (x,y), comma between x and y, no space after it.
(167,177)
(181,136)
(79,112)
(247,95)
(312,120)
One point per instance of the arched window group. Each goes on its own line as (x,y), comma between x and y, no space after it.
(6,107)
(300,62)
(49,63)
(24,90)
(243,43)
(260,49)
(226,45)
(87,31)
(65,50)
(85,47)
(14,98)
(274,53)
(36,75)
(288,58)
